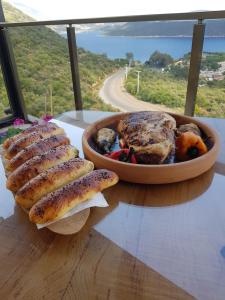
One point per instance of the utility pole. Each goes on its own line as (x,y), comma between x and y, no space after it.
(126,72)
(138,81)
(45,105)
(51,103)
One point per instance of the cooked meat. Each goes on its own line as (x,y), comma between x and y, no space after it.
(150,134)
(105,138)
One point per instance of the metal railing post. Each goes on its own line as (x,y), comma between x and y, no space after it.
(72,45)
(194,69)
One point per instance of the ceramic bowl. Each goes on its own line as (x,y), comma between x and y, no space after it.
(151,174)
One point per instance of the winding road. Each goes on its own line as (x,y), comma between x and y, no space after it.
(114,93)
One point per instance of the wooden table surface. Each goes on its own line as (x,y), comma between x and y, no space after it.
(152,242)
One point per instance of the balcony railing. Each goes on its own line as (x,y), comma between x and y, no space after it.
(10,71)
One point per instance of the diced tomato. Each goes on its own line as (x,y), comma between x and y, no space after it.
(133,159)
(118,154)
(125,155)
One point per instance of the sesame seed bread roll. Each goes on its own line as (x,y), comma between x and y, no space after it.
(34,149)
(36,128)
(31,138)
(52,179)
(54,205)
(38,164)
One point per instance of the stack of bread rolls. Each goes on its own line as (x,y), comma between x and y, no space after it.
(47,176)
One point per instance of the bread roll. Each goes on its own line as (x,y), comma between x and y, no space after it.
(31,138)
(52,179)
(38,164)
(55,204)
(34,149)
(36,128)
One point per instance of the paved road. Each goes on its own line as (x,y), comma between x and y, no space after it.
(114,93)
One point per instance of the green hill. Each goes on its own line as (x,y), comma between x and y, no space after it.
(169,88)
(43,65)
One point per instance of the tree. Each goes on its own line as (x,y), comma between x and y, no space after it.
(159,60)
(209,64)
(130,57)
(179,71)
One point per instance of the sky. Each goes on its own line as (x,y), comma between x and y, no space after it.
(66,9)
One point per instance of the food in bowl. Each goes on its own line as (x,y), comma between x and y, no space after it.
(151,137)
(105,138)
(189,145)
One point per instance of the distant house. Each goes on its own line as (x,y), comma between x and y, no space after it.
(211,75)
(208,75)
(179,62)
(218,76)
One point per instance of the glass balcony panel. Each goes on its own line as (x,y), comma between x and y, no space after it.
(153,48)
(42,61)
(210,100)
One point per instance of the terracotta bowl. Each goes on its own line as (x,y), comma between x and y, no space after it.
(151,174)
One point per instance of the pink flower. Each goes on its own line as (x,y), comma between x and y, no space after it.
(18,121)
(34,123)
(47,118)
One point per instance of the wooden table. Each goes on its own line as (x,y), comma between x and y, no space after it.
(152,242)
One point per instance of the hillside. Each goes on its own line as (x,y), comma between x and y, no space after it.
(43,65)
(169,88)
(165,28)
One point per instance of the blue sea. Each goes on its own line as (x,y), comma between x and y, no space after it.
(143,47)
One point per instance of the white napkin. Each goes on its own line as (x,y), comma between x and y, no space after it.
(98,200)
(74,133)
